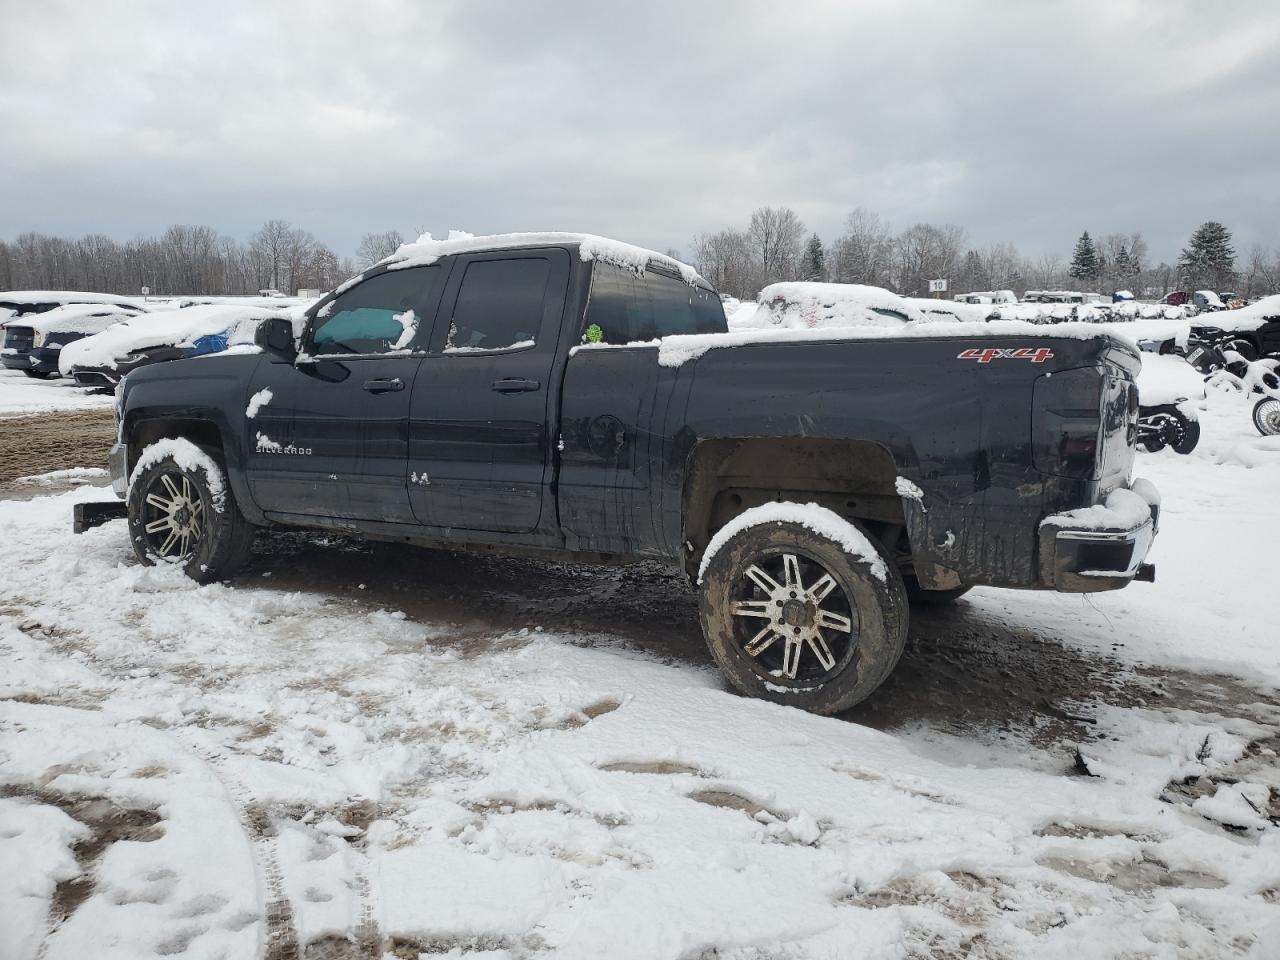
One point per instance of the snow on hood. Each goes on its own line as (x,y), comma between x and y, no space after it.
(172,328)
(951,309)
(1245,318)
(1168,378)
(80,318)
(814,306)
(425,250)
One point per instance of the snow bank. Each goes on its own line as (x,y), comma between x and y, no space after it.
(824,522)
(173,328)
(20,395)
(187,456)
(425,250)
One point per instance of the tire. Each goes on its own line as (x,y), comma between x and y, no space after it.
(172,492)
(820,668)
(1243,346)
(918,595)
(38,374)
(1189,436)
(1266,416)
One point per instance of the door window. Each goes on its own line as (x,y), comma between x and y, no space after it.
(499,305)
(378,315)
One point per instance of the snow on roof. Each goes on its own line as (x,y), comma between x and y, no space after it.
(146,331)
(63,296)
(80,317)
(1245,318)
(1168,378)
(807,305)
(426,250)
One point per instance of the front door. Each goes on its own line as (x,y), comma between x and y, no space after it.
(480,419)
(328,434)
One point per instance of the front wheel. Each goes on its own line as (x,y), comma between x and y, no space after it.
(1266,416)
(182,512)
(800,607)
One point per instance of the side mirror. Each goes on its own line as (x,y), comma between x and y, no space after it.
(275,337)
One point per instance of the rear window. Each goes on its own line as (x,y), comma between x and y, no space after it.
(628,308)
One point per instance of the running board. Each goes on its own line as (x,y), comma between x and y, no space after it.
(89,515)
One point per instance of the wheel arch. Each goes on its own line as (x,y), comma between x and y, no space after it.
(854,478)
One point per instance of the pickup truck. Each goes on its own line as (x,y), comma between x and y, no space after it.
(578,398)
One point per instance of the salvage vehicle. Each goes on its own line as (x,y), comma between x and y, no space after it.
(103,360)
(38,340)
(1252,331)
(571,397)
(19,310)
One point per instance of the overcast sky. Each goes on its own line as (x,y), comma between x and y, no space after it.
(1023,121)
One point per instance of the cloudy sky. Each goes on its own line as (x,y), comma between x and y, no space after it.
(1023,121)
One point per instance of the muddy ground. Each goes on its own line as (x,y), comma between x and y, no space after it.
(53,441)
(961,672)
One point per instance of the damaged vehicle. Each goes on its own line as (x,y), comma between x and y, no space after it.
(571,397)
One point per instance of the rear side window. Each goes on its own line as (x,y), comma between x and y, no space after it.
(499,305)
(630,308)
(377,315)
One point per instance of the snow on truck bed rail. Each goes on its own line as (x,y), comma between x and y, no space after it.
(425,250)
(681,348)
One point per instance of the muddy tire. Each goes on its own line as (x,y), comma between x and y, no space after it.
(790,616)
(919,596)
(181,511)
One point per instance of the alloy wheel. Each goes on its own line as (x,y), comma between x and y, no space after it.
(174,517)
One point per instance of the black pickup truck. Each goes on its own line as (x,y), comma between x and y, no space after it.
(575,398)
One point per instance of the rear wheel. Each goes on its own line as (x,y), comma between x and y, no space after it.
(795,616)
(38,374)
(181,511)
(1266,416)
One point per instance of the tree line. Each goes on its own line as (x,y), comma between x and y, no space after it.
(774,244)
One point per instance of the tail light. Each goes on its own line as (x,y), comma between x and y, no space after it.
(1066,422)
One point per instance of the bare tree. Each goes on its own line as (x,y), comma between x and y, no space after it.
(927,252)
(377,246)
(725,259)
(776,235)
(864,254)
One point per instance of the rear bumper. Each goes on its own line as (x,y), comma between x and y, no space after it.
(1102,547)
(95,376)
(13,360)
(45,359)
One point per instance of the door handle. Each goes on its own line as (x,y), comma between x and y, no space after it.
(384,386)
(516,385)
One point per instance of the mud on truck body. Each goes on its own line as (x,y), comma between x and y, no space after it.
(575,398)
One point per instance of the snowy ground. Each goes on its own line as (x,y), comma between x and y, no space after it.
(355,750)
(20,394)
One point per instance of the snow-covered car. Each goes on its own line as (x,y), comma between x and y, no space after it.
(103,359)
(1252,331)
(38,340)
(962,311)
(18,310)
(807,305)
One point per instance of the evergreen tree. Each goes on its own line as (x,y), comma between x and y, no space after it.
(814,264)
(1085,263)
(1208,261)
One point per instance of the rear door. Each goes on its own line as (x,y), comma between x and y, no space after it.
(328,434)
(483,404)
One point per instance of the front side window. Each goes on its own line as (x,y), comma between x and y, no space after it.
(499,305)
(630,308)
(377,315)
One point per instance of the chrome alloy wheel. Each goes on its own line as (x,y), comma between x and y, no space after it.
(174,516)
(795,633)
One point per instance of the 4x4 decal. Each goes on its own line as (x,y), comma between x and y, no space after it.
(987,354)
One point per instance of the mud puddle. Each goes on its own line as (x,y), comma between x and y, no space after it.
(54,441)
